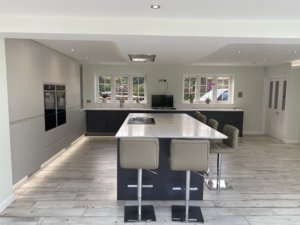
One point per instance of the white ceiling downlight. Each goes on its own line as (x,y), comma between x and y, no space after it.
(155,6)
(141,58)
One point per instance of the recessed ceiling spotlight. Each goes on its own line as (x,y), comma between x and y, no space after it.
(265,59)
(72,49)
(87,57)
(295,52)
(239,51)
(155,6)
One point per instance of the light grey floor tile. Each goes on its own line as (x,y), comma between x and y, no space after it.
(79,188)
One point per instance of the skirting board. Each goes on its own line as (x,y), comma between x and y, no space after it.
(78,139)
(253,133)
(4,204)
(291,141)
(20,183)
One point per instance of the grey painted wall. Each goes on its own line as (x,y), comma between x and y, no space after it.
(249,80)
(293,106)
(6,194)
(29,66)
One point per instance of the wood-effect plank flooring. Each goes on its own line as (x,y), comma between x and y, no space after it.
(79,187)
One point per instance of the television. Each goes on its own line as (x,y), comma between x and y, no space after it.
(162,101)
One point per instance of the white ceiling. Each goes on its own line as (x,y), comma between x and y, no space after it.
(186,50)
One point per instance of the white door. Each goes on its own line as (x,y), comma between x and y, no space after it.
(275,112)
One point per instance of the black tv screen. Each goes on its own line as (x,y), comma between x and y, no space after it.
(162,101)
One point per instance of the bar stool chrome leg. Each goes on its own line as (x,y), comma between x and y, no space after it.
(218,184)
(139,194)
(187,213)
(140,212)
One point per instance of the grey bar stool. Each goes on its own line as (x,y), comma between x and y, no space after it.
(213,124)
(188,155)
(197,115)
(139,153)
(229,145)
(203,118)
(200,117)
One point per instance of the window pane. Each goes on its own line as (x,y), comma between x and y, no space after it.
(189,89)
(270,94)
(138,91)
(223,89)
(105,87)
(121,88)
(276,94)
(283,95)
(206,88)
(203,80)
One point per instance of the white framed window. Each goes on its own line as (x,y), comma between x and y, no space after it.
(208,89)
(116,88)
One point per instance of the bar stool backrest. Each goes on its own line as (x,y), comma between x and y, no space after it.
(213,123)
(203,118)
(139,153)
(233,134)
(189,155)
(197,115)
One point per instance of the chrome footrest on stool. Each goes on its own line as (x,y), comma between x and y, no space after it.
(195,214)
(131,213)
(215,184)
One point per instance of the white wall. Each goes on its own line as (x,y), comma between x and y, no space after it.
(6,195)
(29,66)
(293,106)
(278,70)
(249,80)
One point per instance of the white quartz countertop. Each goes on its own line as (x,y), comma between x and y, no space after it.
(174,125)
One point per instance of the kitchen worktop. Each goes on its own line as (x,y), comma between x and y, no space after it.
(171,125)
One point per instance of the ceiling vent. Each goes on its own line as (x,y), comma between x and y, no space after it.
(142,58)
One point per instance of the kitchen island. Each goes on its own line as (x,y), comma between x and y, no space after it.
(107,121)
(167,184)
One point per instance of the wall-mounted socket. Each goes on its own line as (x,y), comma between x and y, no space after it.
(240,94)
(88,101)
(162,80)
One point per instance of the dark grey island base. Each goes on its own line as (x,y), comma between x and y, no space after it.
(167,184)
(107,122)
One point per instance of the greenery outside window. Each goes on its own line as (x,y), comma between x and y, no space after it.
(120,88)
(189,89)
(138,90)
(208,89)
(105,87)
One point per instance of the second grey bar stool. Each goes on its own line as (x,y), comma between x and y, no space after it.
(188,155)
(139,153)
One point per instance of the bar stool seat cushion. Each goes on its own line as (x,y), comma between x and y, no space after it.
(189,155)
(221,148)
(139,153)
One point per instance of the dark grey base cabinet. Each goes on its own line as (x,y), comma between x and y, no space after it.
(108,122)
